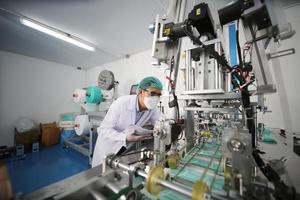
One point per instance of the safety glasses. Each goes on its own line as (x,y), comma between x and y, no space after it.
(153,94)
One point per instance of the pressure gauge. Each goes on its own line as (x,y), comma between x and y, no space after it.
(106,80)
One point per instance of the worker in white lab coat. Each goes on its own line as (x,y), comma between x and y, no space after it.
(124,116)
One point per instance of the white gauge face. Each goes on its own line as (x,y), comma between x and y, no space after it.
(106,80)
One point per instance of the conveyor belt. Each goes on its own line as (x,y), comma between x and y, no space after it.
(202,162)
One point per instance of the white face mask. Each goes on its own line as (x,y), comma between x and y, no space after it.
(151,102)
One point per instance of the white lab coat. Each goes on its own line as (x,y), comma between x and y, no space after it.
(113,130)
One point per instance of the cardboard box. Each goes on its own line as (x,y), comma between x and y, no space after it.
(50,134)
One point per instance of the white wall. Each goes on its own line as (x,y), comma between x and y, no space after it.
(289,89)
(127,71)
(34,88)
(285,104)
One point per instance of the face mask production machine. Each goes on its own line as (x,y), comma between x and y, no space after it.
(95,102)
(208,148)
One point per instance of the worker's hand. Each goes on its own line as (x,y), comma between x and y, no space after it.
(133,138)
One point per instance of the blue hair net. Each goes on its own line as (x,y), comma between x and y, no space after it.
(149,82)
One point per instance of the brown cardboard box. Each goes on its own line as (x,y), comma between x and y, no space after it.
(50,134)
(27,138)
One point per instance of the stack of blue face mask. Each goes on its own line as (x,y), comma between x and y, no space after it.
(267,136)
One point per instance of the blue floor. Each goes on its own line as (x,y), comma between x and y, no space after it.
(42,168)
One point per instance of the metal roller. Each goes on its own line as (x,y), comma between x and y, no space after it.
(155,175)
(173,160)
(199,190)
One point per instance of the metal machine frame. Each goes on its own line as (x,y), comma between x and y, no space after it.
(216,142)
(84,144)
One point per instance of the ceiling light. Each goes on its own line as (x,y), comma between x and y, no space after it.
(56,33)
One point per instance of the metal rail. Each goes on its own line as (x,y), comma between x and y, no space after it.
(115,163)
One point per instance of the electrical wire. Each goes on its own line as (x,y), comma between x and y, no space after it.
(213,53)
(251,45)
(238,44)
(181,133)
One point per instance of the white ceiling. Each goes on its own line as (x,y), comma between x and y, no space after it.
(116,27)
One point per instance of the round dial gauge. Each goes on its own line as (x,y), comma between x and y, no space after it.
(106,80)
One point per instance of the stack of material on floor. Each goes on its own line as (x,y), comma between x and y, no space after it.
(27,138)
(26,132)
(5,151)
(50,134)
